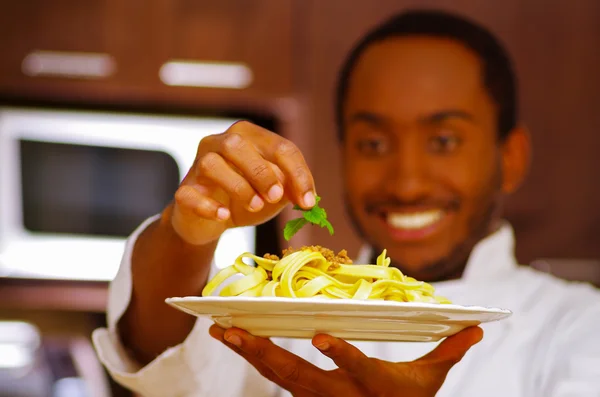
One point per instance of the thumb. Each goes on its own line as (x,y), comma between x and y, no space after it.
(453,348)
(344,355)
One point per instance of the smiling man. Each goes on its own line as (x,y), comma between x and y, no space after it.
(426,122)
(428,125)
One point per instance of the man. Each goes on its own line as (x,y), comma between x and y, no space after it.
(427,117)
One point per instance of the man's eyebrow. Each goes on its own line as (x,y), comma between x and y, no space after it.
(443,115)
(433,118)
(366,117)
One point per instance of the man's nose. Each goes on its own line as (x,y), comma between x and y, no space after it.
(409,172)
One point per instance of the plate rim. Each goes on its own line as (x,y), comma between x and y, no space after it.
(336,302)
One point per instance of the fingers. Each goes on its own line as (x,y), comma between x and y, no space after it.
(291,161)
(284,154)
(219,334)
(193,199)
(214,168)
(453,348)
(442,358)
(345,355)
(255,168)
(288,367)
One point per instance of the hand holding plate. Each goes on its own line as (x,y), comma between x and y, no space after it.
(357,375)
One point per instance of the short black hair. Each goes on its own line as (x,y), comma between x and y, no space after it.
(498,75)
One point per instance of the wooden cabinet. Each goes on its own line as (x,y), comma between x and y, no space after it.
(49,45)
(114,50)
(252,34)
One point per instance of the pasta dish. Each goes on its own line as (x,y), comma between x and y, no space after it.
(316,272)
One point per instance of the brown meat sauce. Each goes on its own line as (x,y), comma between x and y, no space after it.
(331,257)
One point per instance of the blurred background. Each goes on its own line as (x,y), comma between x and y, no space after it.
(102,103)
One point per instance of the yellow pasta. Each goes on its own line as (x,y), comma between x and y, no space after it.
(308,274)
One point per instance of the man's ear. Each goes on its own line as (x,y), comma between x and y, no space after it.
(516,158)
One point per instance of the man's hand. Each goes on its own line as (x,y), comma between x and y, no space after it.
(357,375)
(242,177)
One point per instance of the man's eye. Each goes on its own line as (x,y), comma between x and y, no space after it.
(372,146)
(444,143)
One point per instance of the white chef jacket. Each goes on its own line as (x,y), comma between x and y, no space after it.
(549,347)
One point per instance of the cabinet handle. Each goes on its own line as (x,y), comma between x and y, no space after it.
(206,74)
(69,64)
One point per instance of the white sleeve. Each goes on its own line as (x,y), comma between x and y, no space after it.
(574,354)
(199,366)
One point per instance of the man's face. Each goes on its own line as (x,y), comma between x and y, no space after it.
(423,164)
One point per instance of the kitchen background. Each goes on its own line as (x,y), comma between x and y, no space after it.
(202,64)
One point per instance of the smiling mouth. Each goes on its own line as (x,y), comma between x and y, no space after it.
(414,220)
(415,225)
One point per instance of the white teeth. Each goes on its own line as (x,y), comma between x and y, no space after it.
(415,220)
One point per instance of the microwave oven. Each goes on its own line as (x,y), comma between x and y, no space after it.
(75,184)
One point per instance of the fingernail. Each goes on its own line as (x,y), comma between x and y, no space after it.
(234,340)
(222,213)
(309,199)
(323,346)
(256,203)
(275,193)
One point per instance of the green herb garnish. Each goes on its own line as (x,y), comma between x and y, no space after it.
(316,215)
